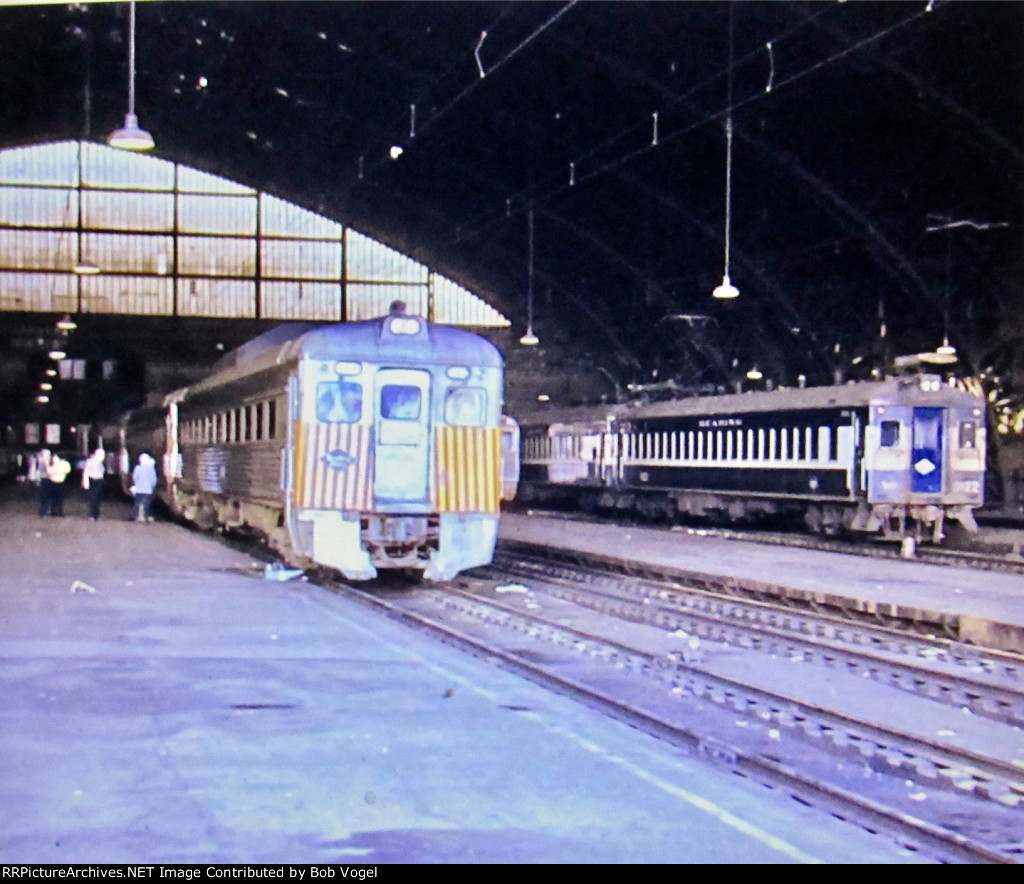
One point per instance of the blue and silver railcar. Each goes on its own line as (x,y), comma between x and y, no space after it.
(359,446)
(899,457)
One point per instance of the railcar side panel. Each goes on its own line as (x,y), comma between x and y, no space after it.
(875,456)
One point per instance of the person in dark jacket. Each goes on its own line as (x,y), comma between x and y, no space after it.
(38,472)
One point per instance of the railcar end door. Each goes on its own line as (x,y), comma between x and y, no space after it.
(401,466)
(926,451)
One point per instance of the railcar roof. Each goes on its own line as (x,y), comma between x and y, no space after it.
(259,347)
(368,342)
(849,395)
(356,341)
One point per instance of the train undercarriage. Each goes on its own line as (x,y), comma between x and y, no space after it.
(924,523)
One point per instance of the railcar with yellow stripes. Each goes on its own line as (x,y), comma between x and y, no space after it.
(360,446)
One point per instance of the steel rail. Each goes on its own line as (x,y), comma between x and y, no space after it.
(905,828)
(744,626)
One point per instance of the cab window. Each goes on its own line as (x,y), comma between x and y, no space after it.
(339,402)
(400,402)
(890,434)
(465,407)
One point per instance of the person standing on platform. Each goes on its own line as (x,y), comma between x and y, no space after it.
(92,481)
(39,473)
(143,485)
(57,472)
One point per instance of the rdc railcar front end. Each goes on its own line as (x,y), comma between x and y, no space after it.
(359,446)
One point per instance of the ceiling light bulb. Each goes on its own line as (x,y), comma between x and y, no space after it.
(754,374)
(395,152)
(726,289)
(529,339)
(67,323)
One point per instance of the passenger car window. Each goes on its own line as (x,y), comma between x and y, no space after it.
(464,406)
(339,402)
(400,402)
(890,434)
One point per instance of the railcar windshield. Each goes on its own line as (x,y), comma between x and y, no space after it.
(890,434)
(339,402)
(465,407)
(928,428)
(400,402)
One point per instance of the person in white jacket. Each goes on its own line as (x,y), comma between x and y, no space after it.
(57,472)
(143,485)
(92,481)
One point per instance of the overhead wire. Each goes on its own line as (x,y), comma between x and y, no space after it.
(579,174)
(678,100)
(484,72)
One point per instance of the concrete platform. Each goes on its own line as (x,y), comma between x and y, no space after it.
(986,608)
(176,707)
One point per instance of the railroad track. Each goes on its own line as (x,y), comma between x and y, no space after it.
(988,683)
(679,680)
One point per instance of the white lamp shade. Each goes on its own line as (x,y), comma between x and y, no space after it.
(529,339)
(85,267)
(131,137)
(726,289)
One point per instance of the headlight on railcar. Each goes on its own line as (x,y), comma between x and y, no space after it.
(348,368)
(404,325)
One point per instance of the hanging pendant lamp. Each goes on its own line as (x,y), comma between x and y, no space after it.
(131,136)
(529,339)
(727,290)
(85,267)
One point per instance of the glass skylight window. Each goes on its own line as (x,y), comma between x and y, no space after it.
(213,247)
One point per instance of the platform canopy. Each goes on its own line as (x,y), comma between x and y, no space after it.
(89,229)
